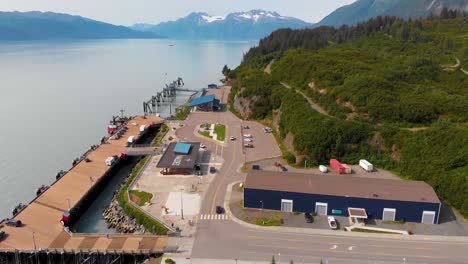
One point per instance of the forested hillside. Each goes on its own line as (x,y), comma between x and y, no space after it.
(394,91)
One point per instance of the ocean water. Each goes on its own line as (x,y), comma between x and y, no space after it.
(56,98)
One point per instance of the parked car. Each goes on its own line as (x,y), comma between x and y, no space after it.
(255,167)
(248,146)
(232,138)
(2,235)
(212,170)
(248,140)
(267,130)
(245,127)
(283,168)
(248,136)
(13,222)
(202,146)
(308,217)
(332,223)
(219,210)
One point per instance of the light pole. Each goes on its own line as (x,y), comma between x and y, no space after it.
(182,204)
(34,241)
(261,201)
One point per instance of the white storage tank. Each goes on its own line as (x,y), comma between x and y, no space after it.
(323,168)
(367,166)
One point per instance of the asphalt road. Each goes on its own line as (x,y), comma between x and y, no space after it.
(225,239)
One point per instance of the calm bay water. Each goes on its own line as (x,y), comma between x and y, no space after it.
(56,98)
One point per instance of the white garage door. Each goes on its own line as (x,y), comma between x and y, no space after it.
(321,208)
(389,214)
(286,205)
(428,217)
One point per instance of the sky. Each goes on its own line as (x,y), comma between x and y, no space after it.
(129,12)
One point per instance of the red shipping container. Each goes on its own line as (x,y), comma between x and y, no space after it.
(339,168)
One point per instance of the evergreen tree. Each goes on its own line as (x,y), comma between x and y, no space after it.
(273,261)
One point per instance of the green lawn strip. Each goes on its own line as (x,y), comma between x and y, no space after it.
(145,197)
(399,222)
(373,231)
(220,131)
(140,217)
(268,222)
(162,132)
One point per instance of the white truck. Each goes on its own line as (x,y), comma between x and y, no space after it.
(323,168)
(111,160)
(367,166)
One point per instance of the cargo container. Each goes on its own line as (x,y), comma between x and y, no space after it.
(340,168)
(323,168)
(367,166)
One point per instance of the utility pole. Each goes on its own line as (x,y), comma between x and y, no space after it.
(122,111)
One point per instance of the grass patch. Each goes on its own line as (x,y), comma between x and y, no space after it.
(182,113)
(268,222)
(399,222)
(246,169)
(297,213)
(240,189)
(205,133)
(220,131)
(241,203)
(373,231)
(145,197)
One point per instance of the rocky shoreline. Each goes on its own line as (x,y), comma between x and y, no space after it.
(116,218)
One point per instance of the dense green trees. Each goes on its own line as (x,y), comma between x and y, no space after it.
(390,96)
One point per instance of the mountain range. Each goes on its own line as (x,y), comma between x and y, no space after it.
(47,25)
(363,10)
(253,24)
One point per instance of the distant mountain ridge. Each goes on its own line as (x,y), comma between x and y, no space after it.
(36,25)
(253,24)
(362,10)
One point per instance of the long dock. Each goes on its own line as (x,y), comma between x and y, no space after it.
(42,229)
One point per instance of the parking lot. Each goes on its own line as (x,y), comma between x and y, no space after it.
(264,144)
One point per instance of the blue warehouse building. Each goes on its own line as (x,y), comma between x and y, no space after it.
(356,197)
(205,103)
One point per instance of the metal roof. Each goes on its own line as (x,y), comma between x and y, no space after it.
(345,185)
(174,160)
(202,100)
(182,148)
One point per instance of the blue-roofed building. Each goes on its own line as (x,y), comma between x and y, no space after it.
(182,148)
(205,103)
(212,86)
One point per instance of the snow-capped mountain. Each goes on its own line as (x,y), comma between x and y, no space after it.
(249,25)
